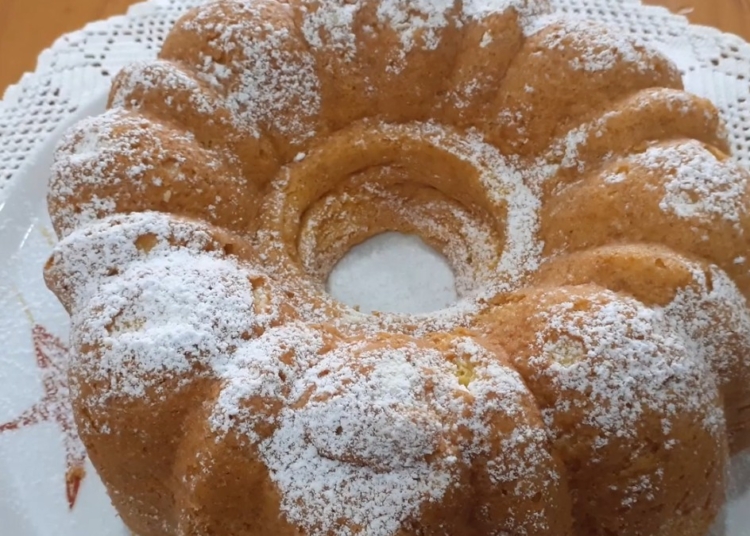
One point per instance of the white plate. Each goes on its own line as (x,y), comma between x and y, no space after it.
(35,458)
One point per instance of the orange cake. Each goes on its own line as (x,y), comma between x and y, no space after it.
(593,378)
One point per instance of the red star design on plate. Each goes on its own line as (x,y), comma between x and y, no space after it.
(55,406)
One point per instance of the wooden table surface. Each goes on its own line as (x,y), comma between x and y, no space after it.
(29,26)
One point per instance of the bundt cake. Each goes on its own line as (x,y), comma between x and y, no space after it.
(593,378)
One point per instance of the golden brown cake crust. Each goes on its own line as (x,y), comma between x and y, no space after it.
(593,377)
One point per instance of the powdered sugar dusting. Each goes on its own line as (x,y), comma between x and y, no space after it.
(166,312)
(152,75)
(89,255)
(619,357)
(366,428)
(604,48)
(124,154)
(506,185)
(330,24)
(699,185)
(470,245)
(161,319)
(98,143)
(567,149)
(255,379)
(416,19)
(714,298)
(528,10)
(269,71)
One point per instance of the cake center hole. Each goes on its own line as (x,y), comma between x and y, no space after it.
(393,273)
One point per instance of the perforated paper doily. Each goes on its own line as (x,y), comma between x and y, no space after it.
(43,472)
